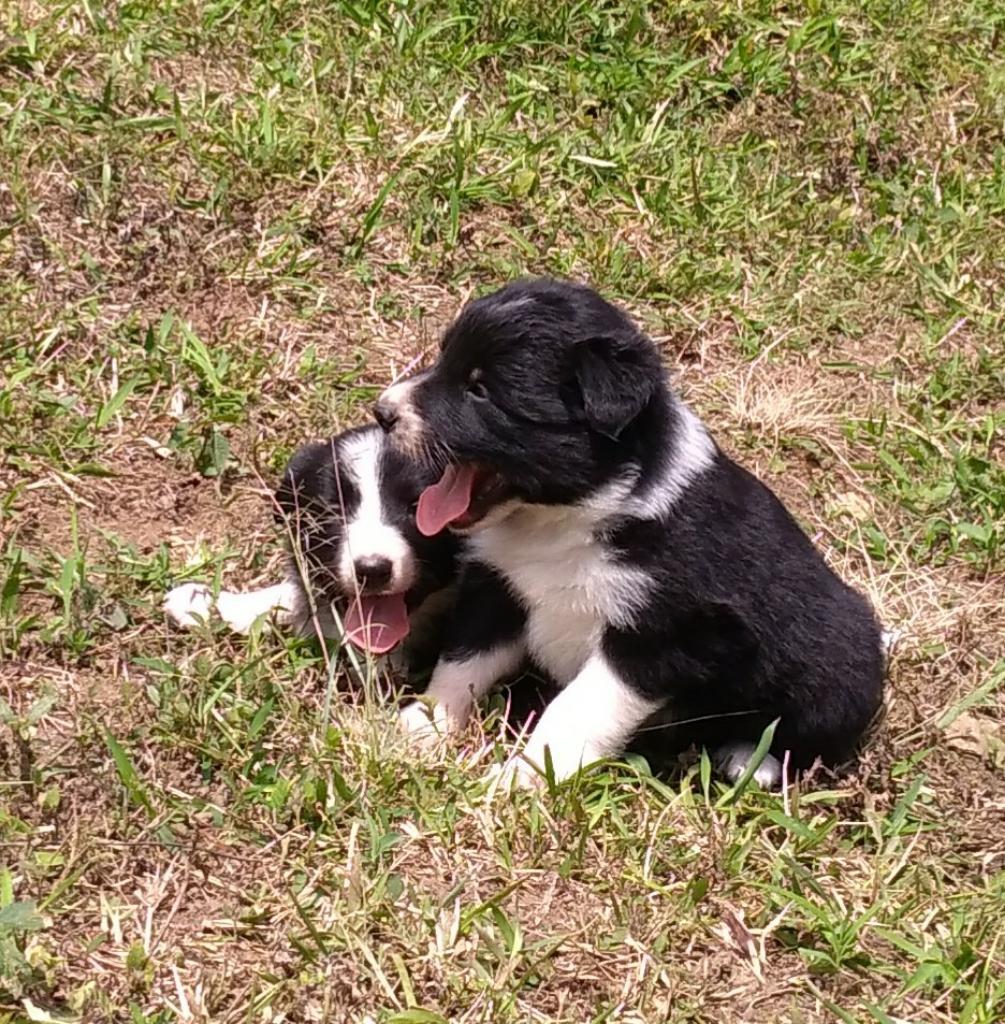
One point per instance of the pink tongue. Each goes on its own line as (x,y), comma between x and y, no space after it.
(446,500)
(376,624)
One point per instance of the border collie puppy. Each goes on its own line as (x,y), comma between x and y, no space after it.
(348,508)
(612,543)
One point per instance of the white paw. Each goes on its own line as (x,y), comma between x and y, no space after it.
(189,604)
(516,773)
(426,726)
(527,770)
(732,760)
(568,756)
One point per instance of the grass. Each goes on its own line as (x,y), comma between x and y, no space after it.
(223,226)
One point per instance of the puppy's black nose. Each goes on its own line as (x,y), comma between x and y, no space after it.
(385,414)
(373,572)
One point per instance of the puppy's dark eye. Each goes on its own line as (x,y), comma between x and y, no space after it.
(476,388)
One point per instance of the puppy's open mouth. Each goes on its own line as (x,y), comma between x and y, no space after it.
(462,496)
(376,622)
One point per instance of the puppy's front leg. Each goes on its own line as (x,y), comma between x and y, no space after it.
(455,688)
(241,610)
(191,603)
(485,644)
(592,718)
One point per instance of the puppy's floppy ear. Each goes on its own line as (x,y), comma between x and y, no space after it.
(286,499)
(617,376)
(290,501)
(298,488)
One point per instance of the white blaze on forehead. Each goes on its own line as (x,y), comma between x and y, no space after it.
(408,429)
(368,534)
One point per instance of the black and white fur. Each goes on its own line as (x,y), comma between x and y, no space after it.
(619,549)
(346,506)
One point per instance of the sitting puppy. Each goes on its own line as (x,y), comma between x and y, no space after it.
(348,507)
(611,542)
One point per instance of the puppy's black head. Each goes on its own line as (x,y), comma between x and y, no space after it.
(539,395)
(348,508)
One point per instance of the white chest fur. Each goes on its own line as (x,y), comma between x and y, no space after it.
(566,578)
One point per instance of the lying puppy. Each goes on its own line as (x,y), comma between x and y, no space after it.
(611,541)
(348,507)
